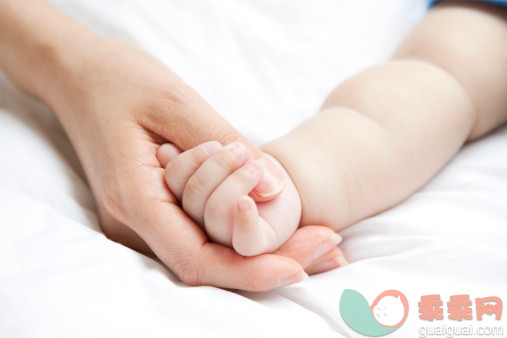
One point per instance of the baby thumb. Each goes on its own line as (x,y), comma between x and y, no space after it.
(273,180)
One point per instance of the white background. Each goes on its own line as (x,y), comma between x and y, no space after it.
(266,66)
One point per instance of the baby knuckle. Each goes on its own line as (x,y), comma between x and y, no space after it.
(223,159)
(242,177)
(214,206)
(193,188)
(227,159)
(198,156)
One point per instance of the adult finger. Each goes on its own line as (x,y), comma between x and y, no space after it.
(183,247)
(188,120)
(310,244)
(329,261)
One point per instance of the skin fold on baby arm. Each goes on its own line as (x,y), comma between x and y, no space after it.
(384,133)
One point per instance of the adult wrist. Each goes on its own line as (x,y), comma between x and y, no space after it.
(36,44)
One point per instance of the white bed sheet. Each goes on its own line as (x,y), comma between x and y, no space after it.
(266,66)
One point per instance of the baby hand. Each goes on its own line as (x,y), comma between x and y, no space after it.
(213,182)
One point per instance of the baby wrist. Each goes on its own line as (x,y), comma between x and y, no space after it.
(307,165)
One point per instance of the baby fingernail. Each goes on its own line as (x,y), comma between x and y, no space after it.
(244,204)
(274,179)
(327,246)
(252,167)
(213,147)
(239,149)
(292,279)
(330,264)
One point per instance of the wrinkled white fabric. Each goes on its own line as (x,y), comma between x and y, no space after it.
(266,66)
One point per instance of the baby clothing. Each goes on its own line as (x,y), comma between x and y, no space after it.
(496,2)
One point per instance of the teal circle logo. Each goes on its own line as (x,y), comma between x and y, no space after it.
(385,315)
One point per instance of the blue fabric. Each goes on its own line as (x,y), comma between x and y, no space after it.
(496,2)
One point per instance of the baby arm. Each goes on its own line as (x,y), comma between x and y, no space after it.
(385,132)
(213,183)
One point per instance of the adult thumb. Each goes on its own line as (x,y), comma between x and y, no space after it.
(194,122)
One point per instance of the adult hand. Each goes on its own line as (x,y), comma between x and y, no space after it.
(118,104)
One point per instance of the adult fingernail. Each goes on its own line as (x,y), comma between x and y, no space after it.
(342,261)
(327,245)
(329,264)
(292,279)
(274,179)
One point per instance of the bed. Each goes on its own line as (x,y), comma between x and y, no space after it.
(273,61)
